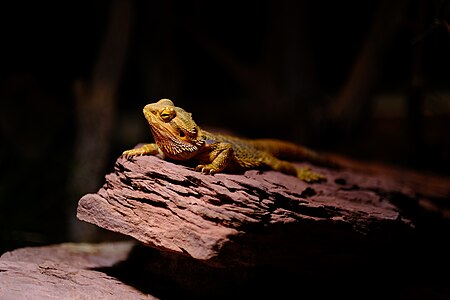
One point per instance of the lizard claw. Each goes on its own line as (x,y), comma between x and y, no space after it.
(205,169)
(307,175)
(199,168)
(126,154)
(132,153)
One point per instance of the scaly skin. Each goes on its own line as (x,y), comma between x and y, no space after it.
(179,138)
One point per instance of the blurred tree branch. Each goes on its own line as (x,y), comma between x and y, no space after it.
(96,105)
(283,80)
(354,100)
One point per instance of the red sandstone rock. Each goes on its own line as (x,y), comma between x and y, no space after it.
(241,236)
(241,219)
(66,271)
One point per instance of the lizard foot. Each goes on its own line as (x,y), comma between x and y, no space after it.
(206,169)
(147,149)
(132,153)
(309,176)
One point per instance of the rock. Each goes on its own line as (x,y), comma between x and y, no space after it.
(240,236)
(247,219)
(66,271)
(122,270)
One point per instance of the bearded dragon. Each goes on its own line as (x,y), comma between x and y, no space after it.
(178,137)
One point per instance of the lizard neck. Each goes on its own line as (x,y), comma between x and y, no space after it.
(178,149)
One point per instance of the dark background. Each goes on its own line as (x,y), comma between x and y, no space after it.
(365,79)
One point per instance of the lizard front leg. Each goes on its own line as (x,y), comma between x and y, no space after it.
(215,158)
(147,149)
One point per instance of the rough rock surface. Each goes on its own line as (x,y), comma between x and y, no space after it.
(245,219)
(244,236)
(66,271)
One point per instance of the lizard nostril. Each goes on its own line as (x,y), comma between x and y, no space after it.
(181,134)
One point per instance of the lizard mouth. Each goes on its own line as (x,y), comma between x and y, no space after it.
(169,140)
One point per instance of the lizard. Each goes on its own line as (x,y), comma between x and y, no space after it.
(179,138)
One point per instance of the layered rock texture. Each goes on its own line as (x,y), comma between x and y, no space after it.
(260,234)
(243,219)
(66,271)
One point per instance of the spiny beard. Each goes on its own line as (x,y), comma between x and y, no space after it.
(177,149)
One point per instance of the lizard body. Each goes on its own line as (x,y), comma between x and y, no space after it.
(179,138)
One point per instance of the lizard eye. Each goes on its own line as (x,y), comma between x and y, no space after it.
(182,134)
(167,114)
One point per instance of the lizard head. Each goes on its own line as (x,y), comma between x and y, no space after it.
(173,129)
